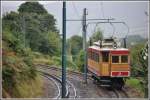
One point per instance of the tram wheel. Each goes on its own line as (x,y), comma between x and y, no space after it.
(118,83)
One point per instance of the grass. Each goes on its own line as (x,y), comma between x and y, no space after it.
(43,61)
(30,88)
(135,83)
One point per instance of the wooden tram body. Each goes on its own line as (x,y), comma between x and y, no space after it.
(109,65)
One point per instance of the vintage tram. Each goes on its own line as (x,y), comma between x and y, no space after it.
(109,63)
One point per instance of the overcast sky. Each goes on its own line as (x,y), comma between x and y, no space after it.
(132,13)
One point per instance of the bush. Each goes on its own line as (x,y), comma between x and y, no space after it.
(57,60)
(80,61)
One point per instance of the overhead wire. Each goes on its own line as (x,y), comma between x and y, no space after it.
(103,16)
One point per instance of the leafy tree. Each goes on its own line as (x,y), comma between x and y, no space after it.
(17,64)
(32,7)
(47,23)
(32,26)
(32,29)
(143,58)
(98,35)
(80,61)
(139,64)
(74,45)
(135,60)
(50,44)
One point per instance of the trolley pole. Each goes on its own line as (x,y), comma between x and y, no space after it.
(124,40)
(84,44)
(64,51)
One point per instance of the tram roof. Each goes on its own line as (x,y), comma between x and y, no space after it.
(108,49)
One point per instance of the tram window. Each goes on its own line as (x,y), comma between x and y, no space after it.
(90,55)
(96,57)
(115,59)
(124,59)
(105,56)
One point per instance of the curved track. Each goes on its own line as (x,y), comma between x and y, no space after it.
(56,83)
(76,93)
(71,91)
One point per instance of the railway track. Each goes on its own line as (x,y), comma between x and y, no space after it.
(113,93)
(71,91)
(69,72)
(122,93)
(55,82)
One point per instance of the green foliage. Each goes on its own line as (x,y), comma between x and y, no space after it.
(71,65)
(34,28)
(74,45)
(135,83)
(15,70)
(17,64)
(57,60)
(98,35)
(80,61)
(143,58)
(139,65)
(10,21)
(12,42)
(32,7)
(24,32)
(135,63)
(50,44)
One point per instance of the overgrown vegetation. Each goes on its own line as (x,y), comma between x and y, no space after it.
(139,66)
(27,34)
(136,85)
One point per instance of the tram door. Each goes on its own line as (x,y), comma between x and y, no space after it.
(105,63)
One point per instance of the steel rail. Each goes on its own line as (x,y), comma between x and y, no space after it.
(75,91)
(56,68)
(68,83)
(58,87)
(56,78)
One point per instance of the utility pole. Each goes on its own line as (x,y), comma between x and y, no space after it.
(64,51)
(84,44)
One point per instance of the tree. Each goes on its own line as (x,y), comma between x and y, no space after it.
(50,44)
(31,26)
(135,60)
(139,65)
(75,45)
(35,28)
(32,7)
(98,35)
(143,58)
(80,61)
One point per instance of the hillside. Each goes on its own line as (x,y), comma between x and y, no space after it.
(27,35)
(133,40)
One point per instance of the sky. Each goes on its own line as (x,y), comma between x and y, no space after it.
(130,12)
